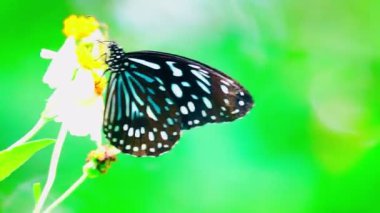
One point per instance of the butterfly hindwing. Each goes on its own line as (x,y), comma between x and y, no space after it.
(139,117)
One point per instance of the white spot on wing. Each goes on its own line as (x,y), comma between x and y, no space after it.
(207,102)
(204,87)
(177,90)
(185,84)
(194,66)
(184,110)
(146,63)
(224,88)
(201,77)
(151,136)
(225,82)
(204,73)
(164,136)
(176,72)
(191,106)
(151,114)
(130,132)
(137,133)
(125,127)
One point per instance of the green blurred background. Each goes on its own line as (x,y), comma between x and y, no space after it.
(309,145)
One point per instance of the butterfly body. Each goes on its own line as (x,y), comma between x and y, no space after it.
(153,96)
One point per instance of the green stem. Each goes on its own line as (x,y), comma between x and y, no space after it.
(52,169)
(40,123)
(67,193)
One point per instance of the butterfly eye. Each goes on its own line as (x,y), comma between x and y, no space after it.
(152,97)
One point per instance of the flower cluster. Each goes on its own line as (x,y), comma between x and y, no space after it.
(76,75)
(99,161)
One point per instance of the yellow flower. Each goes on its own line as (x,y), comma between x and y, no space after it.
(76,74)
(80,26)
(100,83)
(86,59)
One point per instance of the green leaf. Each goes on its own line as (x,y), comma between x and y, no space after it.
(12,159)
(36,191)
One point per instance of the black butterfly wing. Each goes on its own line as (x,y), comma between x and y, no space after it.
(202,94)
(152,96)
(140,118)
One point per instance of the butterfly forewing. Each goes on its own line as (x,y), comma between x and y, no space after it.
(201,93)
(152,96)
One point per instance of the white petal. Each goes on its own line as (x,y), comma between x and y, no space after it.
(47,54)
(74,101)
(62,66)
(95,128)
(76,105)
(82,87)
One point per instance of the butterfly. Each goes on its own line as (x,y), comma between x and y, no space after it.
(153,96)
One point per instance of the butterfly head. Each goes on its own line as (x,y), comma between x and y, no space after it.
(116,54)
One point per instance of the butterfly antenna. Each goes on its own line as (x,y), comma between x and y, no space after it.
(105,41)
(101,56)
